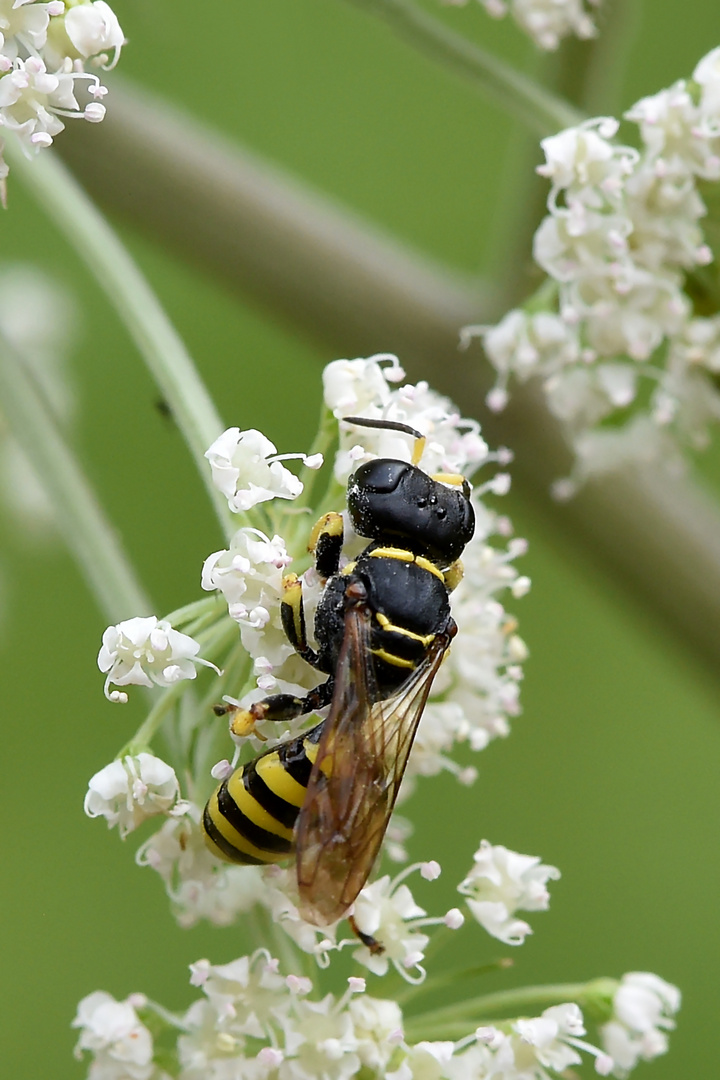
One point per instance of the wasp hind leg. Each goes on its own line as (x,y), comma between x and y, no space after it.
(370,942)
(276,707)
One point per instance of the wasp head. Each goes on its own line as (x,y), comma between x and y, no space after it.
(394,500)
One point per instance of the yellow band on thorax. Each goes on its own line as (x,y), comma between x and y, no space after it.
(402,555)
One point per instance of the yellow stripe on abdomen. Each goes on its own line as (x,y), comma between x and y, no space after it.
(239,843)
(279,781)
(252,809)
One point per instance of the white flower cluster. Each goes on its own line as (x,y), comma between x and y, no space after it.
(129,791)
(247,469)
(626,317)
(146,651)
(644,1007)
(473,696)
(502,882)
(366,388)
(44,48)
(479,683)
(253,1021)
(121,1045)
(547,22)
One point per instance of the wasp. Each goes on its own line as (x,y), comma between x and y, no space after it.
(382,628)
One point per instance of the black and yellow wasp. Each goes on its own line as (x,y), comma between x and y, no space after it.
(382,627)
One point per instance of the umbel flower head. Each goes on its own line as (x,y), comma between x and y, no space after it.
(44,49)
(252,1018)
(624,336)
(473,696)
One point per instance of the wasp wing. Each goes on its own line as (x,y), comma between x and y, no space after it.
(357,772)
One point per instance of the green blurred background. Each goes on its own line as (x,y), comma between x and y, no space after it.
(610,773)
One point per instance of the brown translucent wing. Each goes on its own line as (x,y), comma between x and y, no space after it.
(355,779)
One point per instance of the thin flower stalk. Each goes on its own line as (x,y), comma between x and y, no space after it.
(128,291)
(88,534)
(538,108)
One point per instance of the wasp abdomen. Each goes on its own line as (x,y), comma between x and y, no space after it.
(250,818)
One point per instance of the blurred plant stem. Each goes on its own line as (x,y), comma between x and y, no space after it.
(536,106)
(355,292)
(140,311)
(453,1021)
(89,536)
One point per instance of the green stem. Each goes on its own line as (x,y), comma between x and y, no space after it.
(454,1020)
(448,978)
(139,309)
(542,111)
(322,443)
(89,535)
(198,609)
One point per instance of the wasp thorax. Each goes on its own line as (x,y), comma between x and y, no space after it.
(393,499)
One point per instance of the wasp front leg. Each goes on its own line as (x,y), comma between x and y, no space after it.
(326,541)
(453,575)
(292,613)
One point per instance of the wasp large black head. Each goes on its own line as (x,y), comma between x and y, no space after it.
(394,500)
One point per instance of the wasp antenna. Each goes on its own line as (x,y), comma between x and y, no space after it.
(391,425)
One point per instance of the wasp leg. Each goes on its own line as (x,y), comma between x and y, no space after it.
(453,575)
(326,541)
(292,612)
(279,707)
(371,943)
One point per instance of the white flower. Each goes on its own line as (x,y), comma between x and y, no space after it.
(143,651)
(428,1061)
(502,882)
(129,791)
(94,28)
(385,910)
(545,21)
(548,21)
(23,24)
(378,1029)
(350,387)
(644,1007)
(247,469)
(247,994)
(360,388)
(320,1041)
(249,575)
(198,884)
(549,1041)
(122,1046)
(282,900)
(30,96)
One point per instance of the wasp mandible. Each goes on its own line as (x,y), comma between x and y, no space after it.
(382,628)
